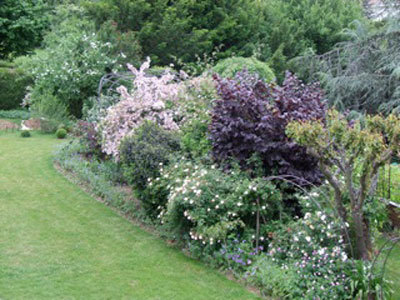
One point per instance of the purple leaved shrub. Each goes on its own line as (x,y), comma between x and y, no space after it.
(250,118)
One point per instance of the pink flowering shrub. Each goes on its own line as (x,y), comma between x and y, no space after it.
(149,100)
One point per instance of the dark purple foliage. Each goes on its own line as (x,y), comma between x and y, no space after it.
(250,118)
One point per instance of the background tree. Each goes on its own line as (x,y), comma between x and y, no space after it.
(294,27)
(169,30)
(362,74)
(22,25)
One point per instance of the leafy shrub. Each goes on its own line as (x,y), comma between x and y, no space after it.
(250,118)
(228,67)
(15,114)
(195,138)
(25,133)
(148,101)
(61,133)
(205,205)
(89,138)
(275,281)
(13,83)
(142,153)
(51,111)
(193,113)
(314,249)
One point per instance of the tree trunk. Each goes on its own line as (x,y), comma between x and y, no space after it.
(361,240)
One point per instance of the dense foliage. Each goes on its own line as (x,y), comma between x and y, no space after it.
(15,114)
(13,84)
(297,26)
(22,25)
(61,133)
(142,154)
(250,118)
(228,67)
(172,30)
(206,205)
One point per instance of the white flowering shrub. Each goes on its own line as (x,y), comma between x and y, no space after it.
(150,99)
(205,204)
(70,64)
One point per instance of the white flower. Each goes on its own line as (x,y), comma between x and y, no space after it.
(239,204)
(308,239)
(307,215)
(344,256)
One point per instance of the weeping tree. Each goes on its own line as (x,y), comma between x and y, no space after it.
(362,74)
(349,155)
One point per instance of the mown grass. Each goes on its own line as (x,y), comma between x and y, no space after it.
(392,267)
(57,242)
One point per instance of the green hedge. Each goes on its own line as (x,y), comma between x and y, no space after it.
(13,83)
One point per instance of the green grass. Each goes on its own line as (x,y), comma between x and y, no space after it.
(383,186)
(56,242)
(392,271)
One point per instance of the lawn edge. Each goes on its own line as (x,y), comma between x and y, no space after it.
(85,187)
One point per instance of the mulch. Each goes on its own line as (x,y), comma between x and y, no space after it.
(7,125)
(33,124)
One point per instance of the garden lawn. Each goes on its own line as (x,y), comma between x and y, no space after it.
(58,242)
